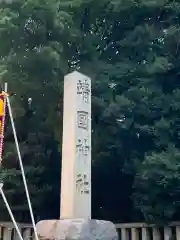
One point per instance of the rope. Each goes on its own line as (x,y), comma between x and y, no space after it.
(10,212)
(3,124)
(6,100)
(22,169)
(1,151)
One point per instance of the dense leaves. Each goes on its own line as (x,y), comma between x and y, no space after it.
(159,172)
(130,49)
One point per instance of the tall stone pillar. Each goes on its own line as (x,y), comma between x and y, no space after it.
(75,218)
(76,149)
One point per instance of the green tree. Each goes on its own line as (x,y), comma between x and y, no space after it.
(159,174)
(130,49)
(32,64)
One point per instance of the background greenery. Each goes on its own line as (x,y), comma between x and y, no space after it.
(130,49)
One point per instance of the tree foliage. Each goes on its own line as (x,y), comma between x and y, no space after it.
(130,49)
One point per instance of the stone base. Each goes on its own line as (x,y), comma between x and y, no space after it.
(76,229)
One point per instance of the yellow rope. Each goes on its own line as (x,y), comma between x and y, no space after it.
(4,95)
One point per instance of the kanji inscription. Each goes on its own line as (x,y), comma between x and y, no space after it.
(82,183)
(82,118)
(82,146)
(83,89)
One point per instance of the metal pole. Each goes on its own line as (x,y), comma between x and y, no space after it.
(22,169)
(10,212)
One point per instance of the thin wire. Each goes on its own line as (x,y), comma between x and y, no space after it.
(10,212)
(22,169)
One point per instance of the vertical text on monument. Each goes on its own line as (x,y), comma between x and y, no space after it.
(76,150)
(82,184)
(83,140)
(82,119)
(82,146)
(83,89)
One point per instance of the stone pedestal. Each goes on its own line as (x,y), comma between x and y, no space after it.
(76,229)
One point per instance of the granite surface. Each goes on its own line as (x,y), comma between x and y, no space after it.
(76,229)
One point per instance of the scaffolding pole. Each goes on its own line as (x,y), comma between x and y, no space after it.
(22,169)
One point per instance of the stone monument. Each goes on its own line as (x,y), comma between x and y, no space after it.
(76,149)
(75,217)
